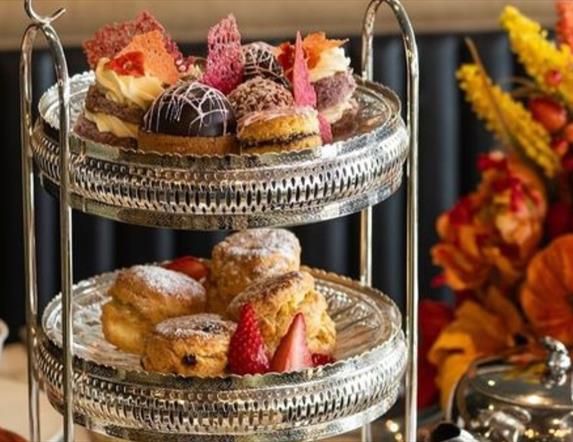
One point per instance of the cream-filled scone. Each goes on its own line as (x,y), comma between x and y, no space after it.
(276,301)
(248,256)
(143,296)
(125,86)
(195,345)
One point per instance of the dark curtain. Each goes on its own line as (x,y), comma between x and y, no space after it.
(450,139)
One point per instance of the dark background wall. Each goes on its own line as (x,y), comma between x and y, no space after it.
(450,139)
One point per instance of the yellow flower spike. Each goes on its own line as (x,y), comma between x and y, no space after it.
(504,116)
(539,56)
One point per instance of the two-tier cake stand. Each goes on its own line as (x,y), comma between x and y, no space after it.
(97,386)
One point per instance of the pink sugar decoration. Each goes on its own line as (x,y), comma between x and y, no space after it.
(109,40)
(325,129)
(225,59)
(303,91)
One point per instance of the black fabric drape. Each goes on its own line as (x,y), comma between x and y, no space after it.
(450,138)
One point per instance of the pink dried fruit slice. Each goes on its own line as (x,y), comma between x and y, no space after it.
(303,91)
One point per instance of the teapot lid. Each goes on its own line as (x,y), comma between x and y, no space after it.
(540,384)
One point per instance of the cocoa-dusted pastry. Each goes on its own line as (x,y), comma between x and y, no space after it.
(279,130)
(260,61)
(277,300)
(248,256)
(144,295)
(189,118)
(195,345)
(259,94)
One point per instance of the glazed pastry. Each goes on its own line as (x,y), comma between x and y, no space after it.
(189,118)
(279,130)
(260,61)
(144,295)
(259,94)
(125,86)
(248,256)
(276,301)
(195,345)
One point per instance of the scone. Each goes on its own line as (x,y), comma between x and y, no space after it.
(278,299)
(144,295)
(248,256)
(195,345)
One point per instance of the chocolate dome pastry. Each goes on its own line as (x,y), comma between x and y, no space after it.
(189,118)
(260,61)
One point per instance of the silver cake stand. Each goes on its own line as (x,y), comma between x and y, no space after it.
(105,390)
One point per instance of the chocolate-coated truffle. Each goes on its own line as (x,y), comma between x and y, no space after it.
(260,61)
(190,110)
(259,94)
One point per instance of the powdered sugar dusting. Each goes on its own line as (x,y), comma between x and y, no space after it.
(167,282)
(201,325)
(262,242)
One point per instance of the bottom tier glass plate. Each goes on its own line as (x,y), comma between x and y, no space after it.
(115,396)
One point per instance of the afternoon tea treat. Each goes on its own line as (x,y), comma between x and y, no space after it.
(259,94)
(189,118)
(133,62)
(144,295)
(292,352)
(279,130)
(261,61)
(194,345)
(249,256)
(278,299)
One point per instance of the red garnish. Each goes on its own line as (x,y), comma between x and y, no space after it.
(109,40)
(189,265)
(286,58)
(225,59)
(548,112)
(130,63)
(247,354)
(319,359)
(303,91)
(325,129)
(293,353)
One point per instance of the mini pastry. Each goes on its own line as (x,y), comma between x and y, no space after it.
(195,345)
(330,74)
(277,300)
(189,118)
(279,130)
(124,88)
(260,61)
(259,94)
(248,256)
(144,295)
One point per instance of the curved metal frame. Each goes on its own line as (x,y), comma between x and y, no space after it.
(44,25)
(411,53)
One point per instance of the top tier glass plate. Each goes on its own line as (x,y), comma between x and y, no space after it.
(360,168)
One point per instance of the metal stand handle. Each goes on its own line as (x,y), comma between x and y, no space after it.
(44,25)
(411,52)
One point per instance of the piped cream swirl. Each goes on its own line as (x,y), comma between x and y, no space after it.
(331,61)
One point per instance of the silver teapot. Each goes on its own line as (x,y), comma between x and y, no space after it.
(508,402)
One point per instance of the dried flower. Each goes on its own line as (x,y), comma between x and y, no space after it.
(564,27)
(508,118)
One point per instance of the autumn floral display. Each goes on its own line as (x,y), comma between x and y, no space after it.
(506,249)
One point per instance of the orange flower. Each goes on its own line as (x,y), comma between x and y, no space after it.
(564,27)
(478,330)
(547,295)
(490,235)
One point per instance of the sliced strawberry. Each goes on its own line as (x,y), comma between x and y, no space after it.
(293,353)
(247,353)
(129,63)
(319,359)
(189,265)
(549,113)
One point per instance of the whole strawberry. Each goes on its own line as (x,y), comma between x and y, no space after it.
(247,353)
